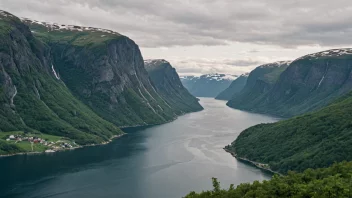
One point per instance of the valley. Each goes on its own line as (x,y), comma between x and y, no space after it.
(166,112)
(189,150)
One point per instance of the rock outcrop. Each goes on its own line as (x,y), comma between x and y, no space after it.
(169,86)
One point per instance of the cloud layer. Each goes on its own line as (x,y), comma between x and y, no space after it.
(155,23)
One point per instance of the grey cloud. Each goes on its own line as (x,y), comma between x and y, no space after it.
(243,63)
(205,66)
(155,23)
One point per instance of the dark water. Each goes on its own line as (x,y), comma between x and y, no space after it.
(168,160)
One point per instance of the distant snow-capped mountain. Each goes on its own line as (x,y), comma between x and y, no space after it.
(208,85)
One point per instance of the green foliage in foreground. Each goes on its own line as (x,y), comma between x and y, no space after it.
(335,181)
(313,140)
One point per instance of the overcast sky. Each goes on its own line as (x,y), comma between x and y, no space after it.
(207,36)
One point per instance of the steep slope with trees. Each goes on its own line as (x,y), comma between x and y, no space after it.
(32,96)
(312,140)
(259,83)
(105,70)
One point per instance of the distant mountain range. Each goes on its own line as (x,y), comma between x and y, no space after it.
(209,85)
(235,87)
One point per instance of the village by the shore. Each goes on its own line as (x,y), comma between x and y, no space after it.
(46,145)
(52,146)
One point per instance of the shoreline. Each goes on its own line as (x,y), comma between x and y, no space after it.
(280,117)
(103,143)
(151,125)
(256,164)
(63,150)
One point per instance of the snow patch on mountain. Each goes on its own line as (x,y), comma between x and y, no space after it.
(328,53)
(62,27)
(276,64)
(154,62)
(216,76)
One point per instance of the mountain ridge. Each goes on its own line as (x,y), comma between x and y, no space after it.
(207,85)
(112,78)
(309,83)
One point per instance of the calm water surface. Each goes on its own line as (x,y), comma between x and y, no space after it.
(169,160)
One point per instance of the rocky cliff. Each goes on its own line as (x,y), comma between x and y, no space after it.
(209,85)
(106,71)
(78,83)
(33,98)
(235,87)
(309,83)
(169,86)
(260,81)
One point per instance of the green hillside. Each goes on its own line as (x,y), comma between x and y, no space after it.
(259,83)
(312,140)
(105,71)
(33,98)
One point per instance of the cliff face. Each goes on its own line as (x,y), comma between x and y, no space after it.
(209,85)
(32,96)
(235,87)
(169,86)
(312,82)
(309,83)
(260,81)
(106,71)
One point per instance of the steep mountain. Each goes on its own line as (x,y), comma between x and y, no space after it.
(209,85)
(309,83)
(235,87)
(106,71)
(32,96)
(260,81)
(313,140)
(169,86)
